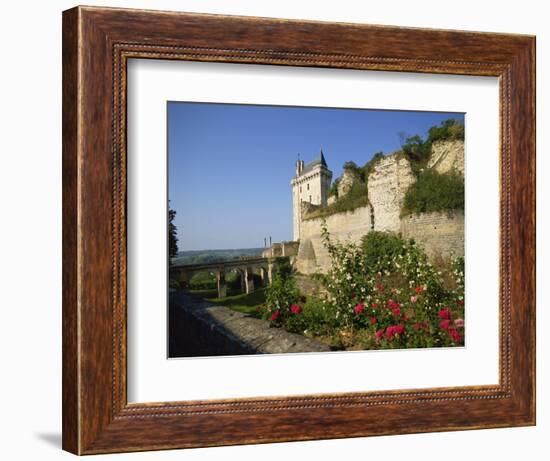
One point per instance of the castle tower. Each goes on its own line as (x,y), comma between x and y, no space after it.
(311,184)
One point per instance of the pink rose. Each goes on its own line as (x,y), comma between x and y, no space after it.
(444,324)
(459,323)
(359,308)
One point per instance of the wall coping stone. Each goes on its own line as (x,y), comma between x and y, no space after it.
(249,334)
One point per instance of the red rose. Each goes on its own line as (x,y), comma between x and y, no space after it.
(375,305)
(295,309)
(275,315)
(359,308)
(444,324)
(455,335)
(379,334)
(373,320)
(389,333)
(399,329)
(392,304)
(444,313)
(380,287)
(460,302)
(396,311)
(420,326)
(419,289)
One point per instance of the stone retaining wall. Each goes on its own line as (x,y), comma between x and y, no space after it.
(198,328)
(346,226)
(441,234)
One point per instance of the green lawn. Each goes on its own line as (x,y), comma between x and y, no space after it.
(240,302)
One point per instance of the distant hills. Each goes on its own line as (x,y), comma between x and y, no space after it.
(213,256)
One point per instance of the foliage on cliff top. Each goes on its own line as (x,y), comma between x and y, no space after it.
(434,191)
(355,198)
(362,171)
(418,150)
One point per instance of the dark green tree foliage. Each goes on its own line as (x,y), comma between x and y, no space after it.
(450,129)
(334,188)
(435,192)
(351,165)
(418,151)
(172,234)
(283,268)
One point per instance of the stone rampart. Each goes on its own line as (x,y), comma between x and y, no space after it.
(346,226)
(441,234)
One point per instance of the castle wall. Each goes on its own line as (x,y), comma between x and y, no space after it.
(440,233)
(281,249)
(387,185)
(346,226)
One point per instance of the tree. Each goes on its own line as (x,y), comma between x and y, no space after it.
(172,234)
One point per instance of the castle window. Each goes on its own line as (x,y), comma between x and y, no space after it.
(310,199)
(300,188)
(308,189)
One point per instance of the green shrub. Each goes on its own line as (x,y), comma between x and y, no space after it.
(434,191)
(175,284)
(281,294)
(379,249)
(203,281)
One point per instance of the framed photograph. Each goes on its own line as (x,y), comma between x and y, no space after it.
(281,230)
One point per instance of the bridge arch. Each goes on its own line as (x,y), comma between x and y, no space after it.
(246,268)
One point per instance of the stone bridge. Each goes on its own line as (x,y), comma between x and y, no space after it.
(245,267)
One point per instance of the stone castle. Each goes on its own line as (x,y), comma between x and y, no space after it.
(441,234)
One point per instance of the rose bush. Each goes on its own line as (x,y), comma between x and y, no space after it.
(384,293)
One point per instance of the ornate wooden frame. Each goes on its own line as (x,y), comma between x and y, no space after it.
(97,43)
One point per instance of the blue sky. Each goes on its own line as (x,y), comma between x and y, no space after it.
(230,165)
